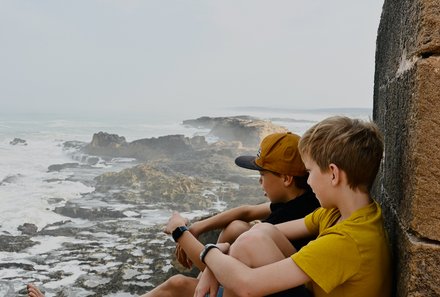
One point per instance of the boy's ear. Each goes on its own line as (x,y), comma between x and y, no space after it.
(335,173)
(288,180)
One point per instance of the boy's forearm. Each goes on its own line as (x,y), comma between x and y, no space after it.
(294,229)
(227,270)
(218,221)
(192,248)
(260,281)
(245,213)
(190,244)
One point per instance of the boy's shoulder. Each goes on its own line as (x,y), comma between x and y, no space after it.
(325,218)
(294,209)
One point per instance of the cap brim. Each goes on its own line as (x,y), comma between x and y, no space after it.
(247,162)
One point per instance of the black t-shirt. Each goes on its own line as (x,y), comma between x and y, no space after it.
(292,210)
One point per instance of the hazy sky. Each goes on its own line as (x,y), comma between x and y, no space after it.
(133,55)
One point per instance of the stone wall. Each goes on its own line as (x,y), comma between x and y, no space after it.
(407,109)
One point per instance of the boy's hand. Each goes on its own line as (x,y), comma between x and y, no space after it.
(224,247)
(207,284)
(182,257)
(194,229)
(175,221)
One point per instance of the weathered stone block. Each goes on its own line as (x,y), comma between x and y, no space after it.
(424,151)
(415,260)
(417,270)
(408,31)
(408,113)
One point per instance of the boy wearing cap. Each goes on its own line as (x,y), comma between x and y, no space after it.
(349,257)
(283,178)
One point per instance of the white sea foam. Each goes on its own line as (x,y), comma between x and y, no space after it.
(24,198)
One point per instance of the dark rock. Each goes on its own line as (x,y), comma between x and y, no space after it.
(144,184)
(92,160)
(74,211)
(28,229)
(248,130)
(23,266)
(74,144)
(198,141)
(59,167)
(104,144)
(102,139)
(9,243)
(244,130)
(17,141)
(161,147)
(64,228)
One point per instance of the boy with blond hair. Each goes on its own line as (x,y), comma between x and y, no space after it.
(350,255)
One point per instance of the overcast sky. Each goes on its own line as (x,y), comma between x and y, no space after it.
(133,55)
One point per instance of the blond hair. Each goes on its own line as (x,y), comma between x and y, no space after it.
(355,146)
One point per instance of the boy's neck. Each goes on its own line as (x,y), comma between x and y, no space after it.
(294,193)
(352,201)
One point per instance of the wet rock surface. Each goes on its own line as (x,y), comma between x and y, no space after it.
(18,141)
(9,243)
(111,240)
(248,130)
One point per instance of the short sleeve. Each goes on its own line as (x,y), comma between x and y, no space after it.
(329,260)
(312,221)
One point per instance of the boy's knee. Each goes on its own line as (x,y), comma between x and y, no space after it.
(176,281)
(233,230)
(263,227)
(246,242)
(237,226)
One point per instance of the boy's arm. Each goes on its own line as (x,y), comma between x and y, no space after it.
(260,281)
(187,239)
(294,229)
(245,213)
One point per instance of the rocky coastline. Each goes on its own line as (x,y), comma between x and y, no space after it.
(104,247)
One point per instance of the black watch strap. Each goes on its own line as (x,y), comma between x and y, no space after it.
(205,251)
(178,232)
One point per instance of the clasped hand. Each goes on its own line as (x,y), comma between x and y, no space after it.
(175,221)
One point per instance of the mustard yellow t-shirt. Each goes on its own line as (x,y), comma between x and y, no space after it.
(349,259)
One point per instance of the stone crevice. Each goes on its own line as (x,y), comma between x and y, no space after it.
(430,54)
(416,237)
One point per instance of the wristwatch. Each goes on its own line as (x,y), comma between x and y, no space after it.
(178,232)
(205,251)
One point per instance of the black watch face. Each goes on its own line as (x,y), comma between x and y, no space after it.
(178,232)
